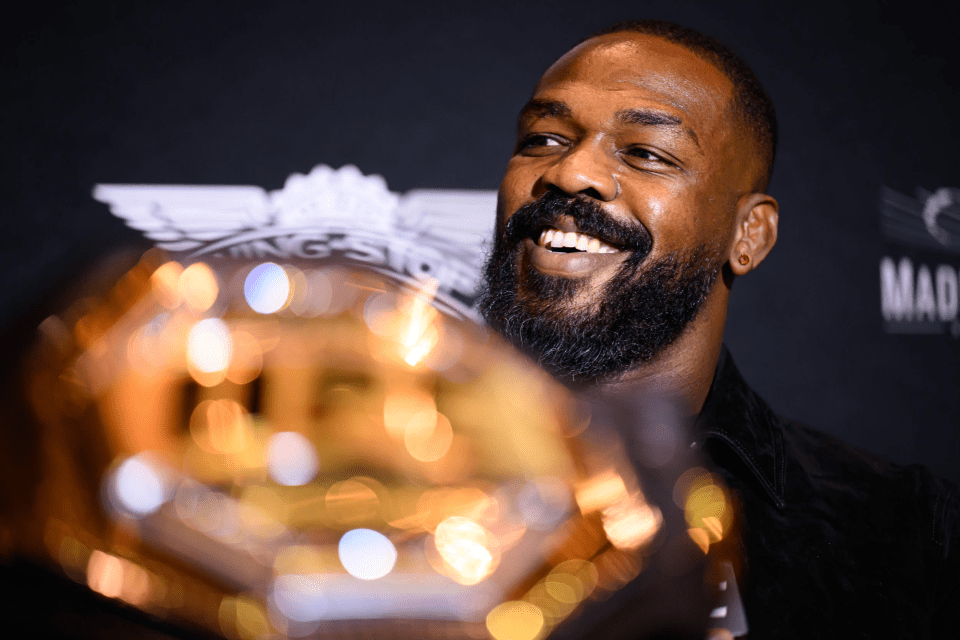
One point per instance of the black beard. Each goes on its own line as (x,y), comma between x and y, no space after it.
(638,313)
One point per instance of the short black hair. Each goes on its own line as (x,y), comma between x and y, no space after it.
(751,101)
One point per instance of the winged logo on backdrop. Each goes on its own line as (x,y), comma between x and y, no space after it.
(424,233)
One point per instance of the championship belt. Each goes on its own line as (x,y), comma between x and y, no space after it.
(323,448)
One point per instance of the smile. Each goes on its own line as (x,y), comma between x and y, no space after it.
(560,242)
(583,257)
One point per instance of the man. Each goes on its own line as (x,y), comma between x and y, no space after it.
(633,200)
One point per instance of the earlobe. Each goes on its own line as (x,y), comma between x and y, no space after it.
(758,216)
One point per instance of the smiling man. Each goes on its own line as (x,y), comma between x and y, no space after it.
(633,188)
(634,198)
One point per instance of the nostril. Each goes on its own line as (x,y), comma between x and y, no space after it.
(590,192)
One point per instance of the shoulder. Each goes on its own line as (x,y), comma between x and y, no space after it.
(901,520)
(908,499)
(830,459)
(820,478)
(853,529)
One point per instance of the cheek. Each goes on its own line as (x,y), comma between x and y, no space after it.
(669,211)
(516,189)
(717,205)
(680,217)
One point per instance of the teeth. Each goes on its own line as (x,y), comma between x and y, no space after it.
(557,239)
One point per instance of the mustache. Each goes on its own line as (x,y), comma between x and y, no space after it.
(590,218)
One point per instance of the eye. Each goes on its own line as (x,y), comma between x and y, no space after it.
(642,157)
(642,154)
(538,144)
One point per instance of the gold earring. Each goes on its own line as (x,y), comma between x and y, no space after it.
(744,259)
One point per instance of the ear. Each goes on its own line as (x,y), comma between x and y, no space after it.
(757,215)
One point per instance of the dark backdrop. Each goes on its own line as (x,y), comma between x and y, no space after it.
(426,95)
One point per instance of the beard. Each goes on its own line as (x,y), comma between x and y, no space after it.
(639,312)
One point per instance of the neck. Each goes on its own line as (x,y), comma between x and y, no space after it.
(686,368)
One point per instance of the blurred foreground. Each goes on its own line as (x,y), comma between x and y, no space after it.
(263,451)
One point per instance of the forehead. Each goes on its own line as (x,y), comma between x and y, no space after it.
(632,69)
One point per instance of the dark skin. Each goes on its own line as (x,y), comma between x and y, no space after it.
(643,126)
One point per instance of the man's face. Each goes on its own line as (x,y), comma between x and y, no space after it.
(626,151)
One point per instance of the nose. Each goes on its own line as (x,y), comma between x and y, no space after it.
(584,169)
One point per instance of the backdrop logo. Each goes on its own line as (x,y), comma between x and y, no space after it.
(919,282)
(342,213)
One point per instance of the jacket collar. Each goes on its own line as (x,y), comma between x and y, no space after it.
(734,414)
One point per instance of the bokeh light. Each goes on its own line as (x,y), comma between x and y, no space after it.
(105,574)
(209,346)
(267,288)
(220,426)
(300,597)
(632,523)
(116,577)
(418,333)
(707,508)
(291,459)
(299,294)
(428,442)
(688,482)
(705,505)
(140,488)
(628,520)
(562,590)
(572,581)
(247,361)
(600,491)
(407,405)
(380,313)
(165,285)
(515,620)
(198,286)
(468,549)
(367,554)
(319,293)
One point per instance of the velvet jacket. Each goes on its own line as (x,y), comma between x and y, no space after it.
(834,542)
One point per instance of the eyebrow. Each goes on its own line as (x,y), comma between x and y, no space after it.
(643,117)
(653,119)
(545,109)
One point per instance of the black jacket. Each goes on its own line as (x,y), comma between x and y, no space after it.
(836,542)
